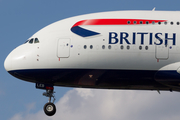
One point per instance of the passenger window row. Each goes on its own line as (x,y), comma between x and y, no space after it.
(121,47)
(147,22)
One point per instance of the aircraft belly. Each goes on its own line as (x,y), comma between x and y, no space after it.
(94,78)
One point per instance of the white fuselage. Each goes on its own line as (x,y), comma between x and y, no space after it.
(139,41)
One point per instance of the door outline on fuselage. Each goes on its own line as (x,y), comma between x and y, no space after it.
(63,47)
(162,50)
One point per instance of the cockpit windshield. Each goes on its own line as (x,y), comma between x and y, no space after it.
(26,41)
(32,40)
(36,40)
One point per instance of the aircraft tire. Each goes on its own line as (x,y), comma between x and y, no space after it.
(49,109)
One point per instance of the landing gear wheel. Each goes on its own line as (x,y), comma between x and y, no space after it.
(49,109)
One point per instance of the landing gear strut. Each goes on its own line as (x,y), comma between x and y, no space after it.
(50,108)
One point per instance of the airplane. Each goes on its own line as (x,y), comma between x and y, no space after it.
(136,50)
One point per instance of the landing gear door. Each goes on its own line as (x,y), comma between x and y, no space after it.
(63,50)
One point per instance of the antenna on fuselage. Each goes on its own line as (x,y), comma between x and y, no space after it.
(154,9)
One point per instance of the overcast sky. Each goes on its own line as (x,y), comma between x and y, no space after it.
(20,100)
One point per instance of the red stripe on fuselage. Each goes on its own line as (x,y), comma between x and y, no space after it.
(115,22)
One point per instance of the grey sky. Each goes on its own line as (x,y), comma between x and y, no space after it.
(93,104)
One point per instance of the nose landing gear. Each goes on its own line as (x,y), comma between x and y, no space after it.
(49,108)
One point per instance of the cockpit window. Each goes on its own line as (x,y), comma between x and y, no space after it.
(31,41)
(36,40)
(26,41)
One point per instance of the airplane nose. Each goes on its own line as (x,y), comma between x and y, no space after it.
(8,63)
(16,59)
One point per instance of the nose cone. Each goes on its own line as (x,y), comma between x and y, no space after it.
(8,63)
(17,59)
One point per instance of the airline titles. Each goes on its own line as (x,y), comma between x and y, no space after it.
(124,37)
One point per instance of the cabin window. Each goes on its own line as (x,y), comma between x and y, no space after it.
(135,22)
(85,46)
(146,47)
(103,47)
(122,46)
(128,47)
(109,46)
(153,22)
(140,47)
(171,23)
(165,23)
(147,22)
(141,22)
(91,46)
(128,22)
(177,23)
(159,23)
